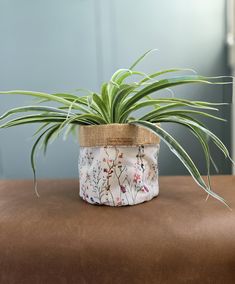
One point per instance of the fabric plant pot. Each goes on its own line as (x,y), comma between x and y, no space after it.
(118,164)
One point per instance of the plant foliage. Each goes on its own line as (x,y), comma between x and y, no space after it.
(117,102)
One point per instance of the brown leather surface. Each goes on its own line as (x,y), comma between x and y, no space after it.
(176,238)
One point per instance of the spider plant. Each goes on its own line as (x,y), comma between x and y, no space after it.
(117,102)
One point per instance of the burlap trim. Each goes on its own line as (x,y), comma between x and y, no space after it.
(115,134)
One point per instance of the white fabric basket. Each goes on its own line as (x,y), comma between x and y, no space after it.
(118,175)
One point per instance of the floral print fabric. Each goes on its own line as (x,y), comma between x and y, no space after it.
(118,175)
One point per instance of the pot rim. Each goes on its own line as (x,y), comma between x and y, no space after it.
(116,134)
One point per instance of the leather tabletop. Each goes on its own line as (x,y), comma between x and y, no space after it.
(177,237)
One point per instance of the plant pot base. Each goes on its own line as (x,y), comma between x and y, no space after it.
(121,205)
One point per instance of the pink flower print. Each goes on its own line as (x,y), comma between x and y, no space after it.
(137,178)
(122,188)
(144,189)
(119,202)
(109,172)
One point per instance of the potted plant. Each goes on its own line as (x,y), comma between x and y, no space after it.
(118,148)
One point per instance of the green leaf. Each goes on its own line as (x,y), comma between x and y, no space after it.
(32,108)
(102,107)
(71,128)
(105,96)
(130,73)
(207,132)
(160,112)
(32,159)
(172,102)
(49,135)
(178,150)
(202,138)
(41,128)
(32,119)
(142,57)
(42,95)
(124,91)
(163,84)
(162,72)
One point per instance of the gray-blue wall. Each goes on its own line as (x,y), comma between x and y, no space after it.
(60,45)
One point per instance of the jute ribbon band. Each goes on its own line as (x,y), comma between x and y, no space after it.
(115,134)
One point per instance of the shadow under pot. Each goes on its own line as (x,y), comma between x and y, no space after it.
(118,164)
